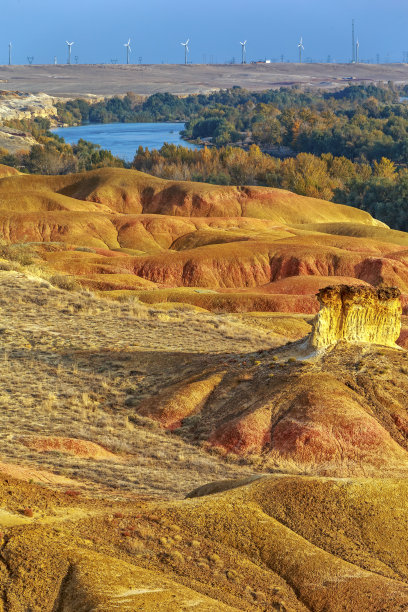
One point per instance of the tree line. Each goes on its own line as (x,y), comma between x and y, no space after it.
(358,122)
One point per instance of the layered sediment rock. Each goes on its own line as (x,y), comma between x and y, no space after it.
(357,314)
(15,140)
(19,105)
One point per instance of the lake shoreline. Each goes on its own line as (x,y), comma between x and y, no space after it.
(124,139)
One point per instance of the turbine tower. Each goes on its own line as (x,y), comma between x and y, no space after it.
(353,44)
(9,53)
(128,50)
(357,51)
(186,49)
(301,48)
(69,50)
(243,45)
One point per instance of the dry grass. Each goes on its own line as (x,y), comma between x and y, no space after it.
(74,364)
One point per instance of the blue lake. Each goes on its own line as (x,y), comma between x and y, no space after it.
(123,139)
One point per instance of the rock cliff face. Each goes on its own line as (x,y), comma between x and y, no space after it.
(357,314)
(19,105)
(15,140)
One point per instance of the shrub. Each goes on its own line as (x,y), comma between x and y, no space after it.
(84,249)
(176,556)
(17,252)
(232,575)
(64,282)
(214,558)
(6,266)
(191,421)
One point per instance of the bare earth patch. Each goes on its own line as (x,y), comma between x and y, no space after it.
(70,446)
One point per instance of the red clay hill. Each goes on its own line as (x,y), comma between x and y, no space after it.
(222,248)
(332,403)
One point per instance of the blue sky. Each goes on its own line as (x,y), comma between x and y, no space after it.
(39,28)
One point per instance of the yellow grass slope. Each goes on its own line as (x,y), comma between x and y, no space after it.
(339,544)
(273,543)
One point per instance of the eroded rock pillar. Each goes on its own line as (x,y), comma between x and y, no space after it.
(357,314)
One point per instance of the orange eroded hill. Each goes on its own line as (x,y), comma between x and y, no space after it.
(122,230)
(341,413)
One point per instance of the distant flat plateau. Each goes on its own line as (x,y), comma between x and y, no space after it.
(107,79)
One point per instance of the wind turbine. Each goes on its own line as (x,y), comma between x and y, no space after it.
(243,45)
(69,50)
(9,53)
(128,50)
(357,51)
(186,49)
(353,45)
(301,48)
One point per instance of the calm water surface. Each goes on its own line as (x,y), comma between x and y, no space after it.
(123,139)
